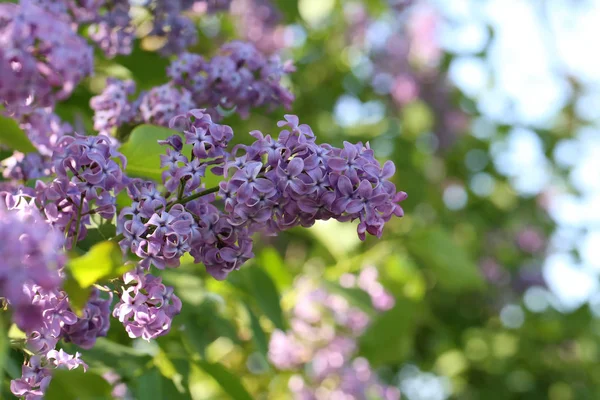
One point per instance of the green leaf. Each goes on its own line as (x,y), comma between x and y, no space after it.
(270,259)
(452,265)
(78,296)
(170,371)
(204,325)
(14,137)
(143,151)
(103,260)
(149,385)
(228,381)
(389,339)
(260,287)
(258,334)
(95,235)
(148,67)
(77,385)
(125,360)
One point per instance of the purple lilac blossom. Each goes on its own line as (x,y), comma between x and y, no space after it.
(259,23)
(271,185)
(162,103)
(147,306)
(112,108)
(42,339)
(108,21)
(322,343)
(239,77)
(89,177)
(34,381)
(42,58)
(93,323)
(29,256)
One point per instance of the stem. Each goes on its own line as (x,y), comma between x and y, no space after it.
(180,192)
(79,213)
(196,196)
(74,171)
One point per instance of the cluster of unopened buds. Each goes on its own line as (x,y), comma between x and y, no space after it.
(321,345)
(51,196)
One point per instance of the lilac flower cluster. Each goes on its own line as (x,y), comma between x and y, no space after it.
(29,256)
(301,182)
(239,78)
(42,58)
(43,336)
(162,103)
(322,342)
(179,31)
(37,373)
(108,21)
(30,276)
(88,180)
(113,107)
(93,323)
(147,306)
(259,23)
(271,185)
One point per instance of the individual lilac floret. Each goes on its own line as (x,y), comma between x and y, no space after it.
(112,108)
(239,77)
(94,322)
(30,254)
(42,59)
(147,306)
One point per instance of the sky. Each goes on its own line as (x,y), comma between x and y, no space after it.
(535,45)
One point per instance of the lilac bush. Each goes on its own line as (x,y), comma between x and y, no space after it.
(71,181)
